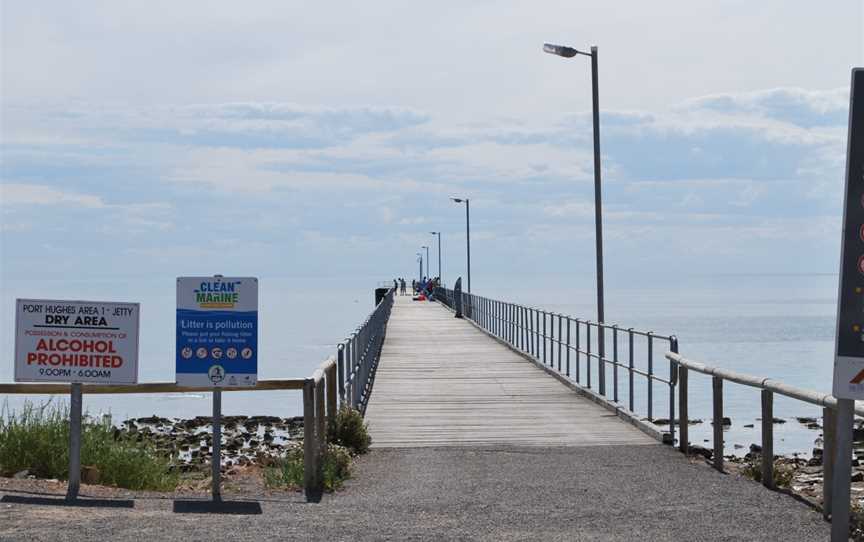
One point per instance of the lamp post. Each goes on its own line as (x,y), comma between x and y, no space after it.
(467,234)
(569,52)
(427,259)
(438,233)
(420,259)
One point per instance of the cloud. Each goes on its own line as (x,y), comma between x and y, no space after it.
(801,107)
(12,194)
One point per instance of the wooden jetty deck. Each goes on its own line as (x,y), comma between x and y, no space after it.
(443,382)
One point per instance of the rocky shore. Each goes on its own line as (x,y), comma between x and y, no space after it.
(800,474)
(245,439)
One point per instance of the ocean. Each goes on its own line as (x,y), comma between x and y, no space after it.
(778,326)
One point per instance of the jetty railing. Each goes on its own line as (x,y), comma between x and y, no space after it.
(342,379)
(357,355)
(768,387)
(564,344)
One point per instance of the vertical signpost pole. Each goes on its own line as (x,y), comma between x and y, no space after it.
(216,460)
(849,355)
(75,406)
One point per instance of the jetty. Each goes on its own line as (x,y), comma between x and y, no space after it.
(510,423)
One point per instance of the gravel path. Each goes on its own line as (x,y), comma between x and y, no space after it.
(591,493)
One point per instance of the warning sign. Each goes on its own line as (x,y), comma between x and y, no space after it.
(76,341)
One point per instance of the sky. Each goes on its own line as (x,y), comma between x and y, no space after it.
(321,141)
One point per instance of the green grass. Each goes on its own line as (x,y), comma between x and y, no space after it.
(288,471)
(36,439)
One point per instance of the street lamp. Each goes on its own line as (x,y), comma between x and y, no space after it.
(427,258)
(438,233)
(420,259)
(569,52)
(467,234)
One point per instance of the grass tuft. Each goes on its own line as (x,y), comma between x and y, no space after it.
(350,430)
(36,439)
(288,470)
(783,474)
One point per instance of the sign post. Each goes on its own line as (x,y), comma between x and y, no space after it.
(217,344)
(849,356)
(77,342)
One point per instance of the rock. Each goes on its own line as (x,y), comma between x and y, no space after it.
(858,476)
(154,420)
(699,450)
(21,474)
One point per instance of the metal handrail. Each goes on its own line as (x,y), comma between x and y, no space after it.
(768,387)
(554,339)
(357,355)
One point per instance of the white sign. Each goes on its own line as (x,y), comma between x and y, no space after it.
(76,341)
(217,331)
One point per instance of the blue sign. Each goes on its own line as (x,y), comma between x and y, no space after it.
(217,331)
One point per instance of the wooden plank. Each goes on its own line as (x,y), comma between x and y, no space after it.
(442,382)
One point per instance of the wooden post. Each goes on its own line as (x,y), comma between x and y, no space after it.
(717,388)
(684,426)
(768,439)
(829,434)
(331,393)
(340,365)
(310,463)
(320,423)
(75,407)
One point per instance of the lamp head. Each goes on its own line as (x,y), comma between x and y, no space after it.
(560,50)
(457,200)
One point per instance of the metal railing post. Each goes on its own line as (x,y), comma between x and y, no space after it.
(559,342)
(717,395)
(544,337)
(673,380)
(684,426)
(340,370)
(631,366)
(601,358)
(578,350)
(768,439)
(650,376)
(568,346)
(829,434)
(615,363)
(588,357)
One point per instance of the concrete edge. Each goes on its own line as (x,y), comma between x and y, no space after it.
(624,414)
